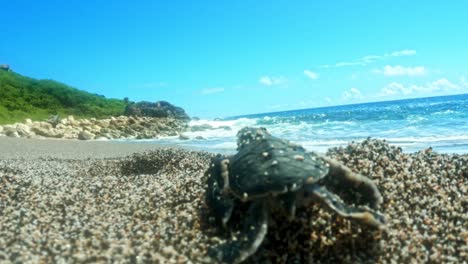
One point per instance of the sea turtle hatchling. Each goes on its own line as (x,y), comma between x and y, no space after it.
(269,173)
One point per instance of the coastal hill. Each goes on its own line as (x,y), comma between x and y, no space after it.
(24,97)
(44,108)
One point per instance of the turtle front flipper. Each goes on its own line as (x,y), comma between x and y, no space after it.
(341,179)
(217,197)
(288,202)
(332,202)
(248,240)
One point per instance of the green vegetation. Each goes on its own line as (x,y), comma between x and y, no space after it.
(23,97)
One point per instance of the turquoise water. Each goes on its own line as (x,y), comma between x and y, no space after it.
(413,124)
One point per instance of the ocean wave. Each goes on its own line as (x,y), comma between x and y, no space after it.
(446,144)
(411,119)
(240,122)
(428,139)
(225,145)
(412,124)
(445,112)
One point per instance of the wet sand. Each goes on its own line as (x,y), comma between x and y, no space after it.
(30,148)
(86,202)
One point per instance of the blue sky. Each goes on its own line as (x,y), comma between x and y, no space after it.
(224,58)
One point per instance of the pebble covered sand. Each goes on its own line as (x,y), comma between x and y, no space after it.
(103,207)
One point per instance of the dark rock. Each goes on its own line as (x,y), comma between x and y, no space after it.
(199,138)
(86,135)
(183,137)
(200,127)
(5,67)
(147,135)
(158,109)
(54,120)
(172,133)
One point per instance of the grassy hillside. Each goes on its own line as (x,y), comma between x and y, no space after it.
(23,97)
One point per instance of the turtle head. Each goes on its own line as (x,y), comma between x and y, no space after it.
(248,135)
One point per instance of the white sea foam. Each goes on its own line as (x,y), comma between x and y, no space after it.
(241,122)
(414,125)
(453,138)
(446,112)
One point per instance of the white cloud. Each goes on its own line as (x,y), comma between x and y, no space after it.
(395,88)
(370,59)
(441,85)
(352,93)
(405,52)
(271,81)
(345,63)
(212,90)
(312,75)
(403,71)
(266,80)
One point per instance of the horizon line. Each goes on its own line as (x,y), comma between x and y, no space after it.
(331,106)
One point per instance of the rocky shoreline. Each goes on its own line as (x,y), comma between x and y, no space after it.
(149,208)
(131,127)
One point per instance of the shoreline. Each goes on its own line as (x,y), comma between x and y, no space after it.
(105,201)
(34,148)
(111,148)
(201,135)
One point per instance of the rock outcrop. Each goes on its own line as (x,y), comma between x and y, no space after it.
(5,67)
(158,109)
(87,129)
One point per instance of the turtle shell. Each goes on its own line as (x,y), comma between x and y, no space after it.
(267,165)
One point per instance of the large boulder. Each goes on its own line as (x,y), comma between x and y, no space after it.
(86,135)
(54,133)
(44,125)
(10,130)
(71,134)
(158,109)
(103,123)
(23,130)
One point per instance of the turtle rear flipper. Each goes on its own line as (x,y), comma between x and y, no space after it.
(332,202)
(251,236)
(341,179)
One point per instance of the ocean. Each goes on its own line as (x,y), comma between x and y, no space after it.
(413,124)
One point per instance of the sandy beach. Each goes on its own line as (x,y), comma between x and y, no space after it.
(29,148)
(67,201)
